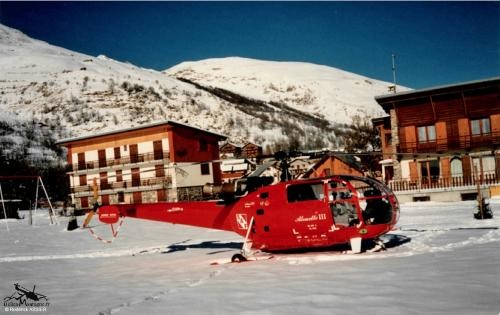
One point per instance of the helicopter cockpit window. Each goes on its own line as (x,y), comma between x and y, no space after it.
(304,192)
(378,210)
(342,204)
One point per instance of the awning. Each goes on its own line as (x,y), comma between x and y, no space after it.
(386,161)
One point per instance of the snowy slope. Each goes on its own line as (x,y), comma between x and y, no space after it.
(324,91)
(272,103)
(440,261)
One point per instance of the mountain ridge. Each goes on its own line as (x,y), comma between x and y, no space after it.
(69,93)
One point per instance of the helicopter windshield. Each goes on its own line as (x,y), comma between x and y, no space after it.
(304,192)
(351,198)
(342,204)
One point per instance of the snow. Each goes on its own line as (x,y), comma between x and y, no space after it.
(308,87)
(439,261)
(84,95)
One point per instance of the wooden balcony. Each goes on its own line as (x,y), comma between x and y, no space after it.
(468,142)
(127,160)
(147,183)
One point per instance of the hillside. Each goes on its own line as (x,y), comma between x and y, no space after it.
(322,91)
(56,93)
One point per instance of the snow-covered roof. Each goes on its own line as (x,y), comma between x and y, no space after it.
(168,122)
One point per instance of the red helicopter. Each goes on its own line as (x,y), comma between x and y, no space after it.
(290,215)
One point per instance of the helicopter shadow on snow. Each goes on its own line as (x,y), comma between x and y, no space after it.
(389,240)
(394,240)
(217,246)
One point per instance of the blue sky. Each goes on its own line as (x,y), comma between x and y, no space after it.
(435,43)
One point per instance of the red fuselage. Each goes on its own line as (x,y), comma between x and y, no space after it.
(291,215)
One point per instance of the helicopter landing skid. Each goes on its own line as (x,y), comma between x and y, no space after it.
(246,250)
(379,246)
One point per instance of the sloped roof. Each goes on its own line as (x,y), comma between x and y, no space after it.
(167,122)
(346,158)
(386,101)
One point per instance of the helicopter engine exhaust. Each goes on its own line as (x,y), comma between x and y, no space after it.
(210,189)
(237,188)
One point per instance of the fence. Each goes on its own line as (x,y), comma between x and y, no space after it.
(443,183)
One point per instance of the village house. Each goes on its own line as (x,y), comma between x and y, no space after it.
(166,161)
(441,143)
(238,161)
(232,169)
(251,151)
(229,151)
(331,164)
(248,151)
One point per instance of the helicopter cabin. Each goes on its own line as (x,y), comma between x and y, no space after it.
(442,143)
(163,161)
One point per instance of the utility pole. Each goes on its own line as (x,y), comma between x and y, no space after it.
(392,88)
(394,71)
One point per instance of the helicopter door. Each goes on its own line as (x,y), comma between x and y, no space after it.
(343,204)
(309,213)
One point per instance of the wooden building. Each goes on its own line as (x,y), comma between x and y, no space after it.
(334,165)
(441,137)
(148,163)
(248,151)
(229,151)
(251,151)
(232,169)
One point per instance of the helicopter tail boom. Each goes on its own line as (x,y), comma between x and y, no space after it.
(207,214)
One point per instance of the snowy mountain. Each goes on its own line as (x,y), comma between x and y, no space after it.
(322,91)
(65,93)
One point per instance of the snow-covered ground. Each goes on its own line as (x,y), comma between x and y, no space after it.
(439,261)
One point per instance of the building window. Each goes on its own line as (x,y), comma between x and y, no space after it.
(103,177)
(158,150)
(160,170)
(84,201)
(81,161)
(136,177)
(83,180)
(203,145)
(134,153)
(161,195)
(426,134)
(102,158)
(117,153)
(429,171)
(456,167)
(205,169)
(121,196)
(119,176)
(484,165)
(388,139)
(137,196)
(480,127)
(105,200)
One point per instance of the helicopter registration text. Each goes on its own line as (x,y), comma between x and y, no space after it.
(314,217)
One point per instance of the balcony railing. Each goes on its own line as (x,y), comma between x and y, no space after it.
(99,164)
(443,183)
(451,143)
(140,183)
